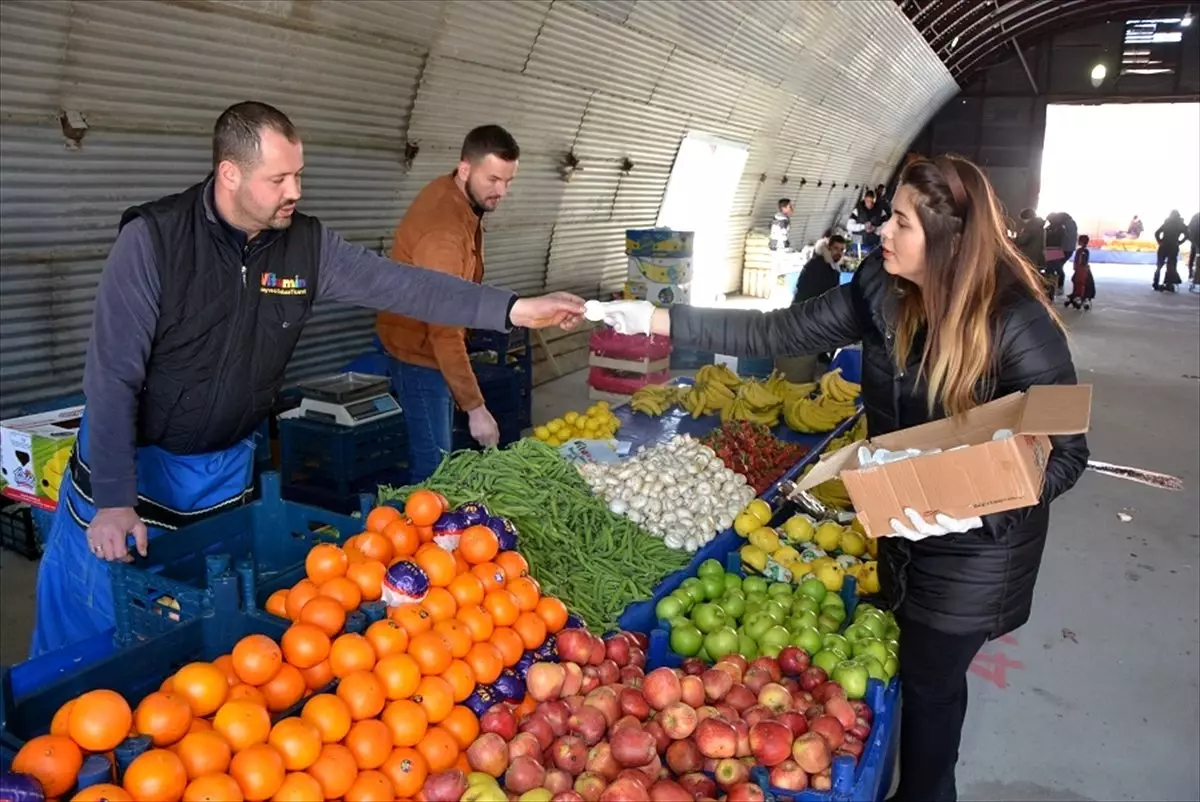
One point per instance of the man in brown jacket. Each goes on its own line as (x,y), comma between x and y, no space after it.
(443,230)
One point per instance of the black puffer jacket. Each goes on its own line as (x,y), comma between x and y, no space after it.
(977,582)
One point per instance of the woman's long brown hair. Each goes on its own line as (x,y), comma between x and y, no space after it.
(969,261)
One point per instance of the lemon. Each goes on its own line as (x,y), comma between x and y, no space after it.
(872,547)
(799,529)
(555,426)
(818,562)
(765,538)
(868,578)
(744,524)
(831,575)
(853,543)
(603,405)
(799,569)
(760,510)
(785,555)
(541,433)
(829,535)
(754,557)
(571,417)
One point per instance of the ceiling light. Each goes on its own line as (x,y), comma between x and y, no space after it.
(1186,21)
(1098,74)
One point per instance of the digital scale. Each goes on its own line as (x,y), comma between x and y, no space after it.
(345,399)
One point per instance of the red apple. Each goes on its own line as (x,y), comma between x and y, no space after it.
(575,701)
(789,776)
(716,738)
(451,784)
(771,665)
(668,791)
(745,792)
(757,713)
(623,790)
(488,754)
(556,714)
(811,677)
(730,772)
(794,721)
(756,678)
(830,729)
(638,639)
(708,711)
(775,696)
(572,679)
(570,754)
(734,670)
(601,762)
(541,729)
(605,700)
(588,723)
(524,745)
(632,676)
(679,720)
(811,752)
(637,657)
(684,756)
(597,654)
(698,784)
(661,688)
(821,781)
(632,748)
(500,720)
(770,742)
(740,697)
(801,700)
(727,711)
(860,729)
(574,645)
(862,710)
(616,648)
(693,665)
(545,681)
(524,774)
(591,680)
(570,795)
(716,684)
(739,661)
(742,729)
(557,781)
(793,660)
(691,690)
(625,721)
(635,776)
(841,710)
(661,739)
(851,746)
(609,672)
(653,771)
(791,683)
(590,786)
(828,690)
(633,703)
(814,711)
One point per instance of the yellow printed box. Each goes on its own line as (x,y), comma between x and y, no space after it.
(659,242)
(34,451)
(660,271)
(663,295)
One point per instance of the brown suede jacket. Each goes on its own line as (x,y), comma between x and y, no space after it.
(440,231)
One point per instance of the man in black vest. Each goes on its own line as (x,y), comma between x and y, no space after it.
(199,308)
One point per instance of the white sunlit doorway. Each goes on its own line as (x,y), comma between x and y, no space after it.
(1106,164)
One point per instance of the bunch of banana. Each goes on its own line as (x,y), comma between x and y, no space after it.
(812,416)
(838,390)
(707,396)
(655,399)
(756,403)
(832,494)
(718,373)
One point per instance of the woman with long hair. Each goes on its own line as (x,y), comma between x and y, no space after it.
(950,316)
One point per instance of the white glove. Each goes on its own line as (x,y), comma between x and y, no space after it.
(919,528)
(625,317)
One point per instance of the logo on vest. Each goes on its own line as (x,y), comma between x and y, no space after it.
(274,285)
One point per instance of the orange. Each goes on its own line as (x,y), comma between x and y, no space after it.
(478,544)
(553,612)
(436,696)
(467,590)
(101,719)
(246,693)
(461,677)
(344,591)
(430,652)
(277,603)
(329,715)
(387,637)
(477,621)
(423,508)
(531,628)
(406,721)
(425,534)
(368,576)
(526,591)
(318,676)
(463,725)
(486,661)
(363,694)
(212,788)
(242,724)
(335,770)
(165,717)
(502,607)
(259,772)
(287,688)
(509,644)
(440,604)
(445,502)
(461,566)
(407,770)
(256,659)
(490,575)
(351,652)
(381,517)
(400,674)
(53,760)
(60,724)
(376,546)
(297,742)
(456,636)
(168,684)
(204,687)
(512,563)
(439,748)
(525,709)
(301,594)
(200,725)
(438,565)
(298,787)
(326,613)
(403,537)
(155,774)
(413,617)
(371,786)
(324,562)
(204,753)
(370,741)
(225,663)
(305,645)
(107,792)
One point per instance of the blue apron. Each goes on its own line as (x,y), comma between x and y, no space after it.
(74,590)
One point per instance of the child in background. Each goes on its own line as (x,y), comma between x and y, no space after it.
(1083,286)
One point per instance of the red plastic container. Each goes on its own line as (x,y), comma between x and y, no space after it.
(622,383)
(607,343)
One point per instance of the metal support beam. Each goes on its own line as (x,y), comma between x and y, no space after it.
(1025,64)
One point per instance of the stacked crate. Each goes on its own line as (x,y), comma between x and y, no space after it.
(622,364)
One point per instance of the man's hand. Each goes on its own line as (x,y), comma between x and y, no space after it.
(106,535)
(483,427)
(560,309)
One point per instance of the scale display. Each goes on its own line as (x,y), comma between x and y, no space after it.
(345,399)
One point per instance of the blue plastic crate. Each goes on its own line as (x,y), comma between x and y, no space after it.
(39,672)
(505,396)
(849,360)
(248,545)
(337,456)
(690,358)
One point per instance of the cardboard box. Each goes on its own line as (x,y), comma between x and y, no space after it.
(662,243)
(34,451)
(988,476)
(659,270)
(663,295)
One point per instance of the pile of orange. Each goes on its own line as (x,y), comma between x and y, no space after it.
(395,717)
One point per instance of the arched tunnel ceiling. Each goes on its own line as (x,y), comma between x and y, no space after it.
(970,35)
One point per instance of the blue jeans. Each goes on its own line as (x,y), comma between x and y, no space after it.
(428,413)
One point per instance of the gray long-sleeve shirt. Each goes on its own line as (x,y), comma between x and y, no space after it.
(126,316)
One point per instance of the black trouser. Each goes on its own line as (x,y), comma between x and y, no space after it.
(1171,260)
(933,676)
(1192,260)
(1055,268)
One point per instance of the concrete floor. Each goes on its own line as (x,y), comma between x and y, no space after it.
(1096,698)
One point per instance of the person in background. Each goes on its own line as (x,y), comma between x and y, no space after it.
(881,198)
(1135,227)
(443,229)
(818,276)
(199,308)
(870,215)
(950,317)
(1169,236)
(781,226)
(1193,232)
(1061,236)
(1031,238)
(1083,285)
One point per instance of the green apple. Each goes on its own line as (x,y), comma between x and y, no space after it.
(826,660)
(733,581)
(871,648)
(703,655)
(679,621)
(854,633)
(755,595)
(686,640)
(752,584)
(890,667)
(776,611)
(779,590)
(873,624)
(747,648)
(832,599)
(708,617)
(752,608)
(852,676)
(808,639)
(756,625)
(714,587)
(720,643)
(838,644)
(892,632)
(668,608)
(710,568)
(814,589)
(775,636)
(535,795)
(480,778)
(827,625)
(806,604)
(874,668)
(734,607)
(683,597)
(836,613)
